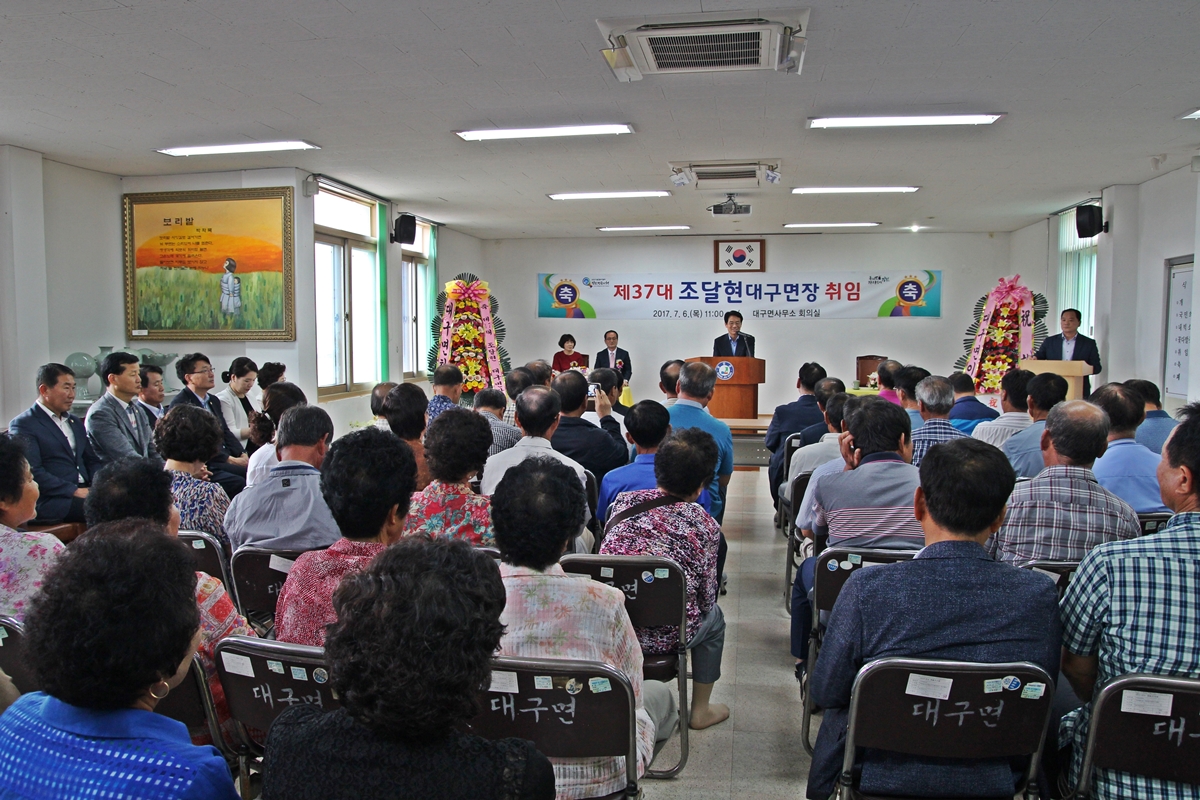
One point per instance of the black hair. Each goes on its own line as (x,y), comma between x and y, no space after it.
(827,388)
(404,408)
(270,373)
(304,425)
(129,489)
(538,506)
(686,461)
(146,371)
(13,468)
(240,368)
(697,379)
(571,388)
(1148,391)
(907,378)
(966,483)
(879,426)
(537,409)
(614,333)
(115,615)
(1075,311)
(517,381)
(447,375)
(1015,384)
(810,373)
(186,365)
(669,377)
(647,423)
(1183,445)
(540,371)
(456,445)
(378,395)
(490,398)
(230,266)
(729,314)
(276,399)
(835,409)
(114,364)
(566,337)
(886,372)
(962,383)
(1124,405)
(416,630)
(365,474)
(608,379)
(1079,430)
(1046,390)
(48,374)
(188,433)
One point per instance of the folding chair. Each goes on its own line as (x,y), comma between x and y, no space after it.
(594,524)
(1152,523)
(191,703)
(1139,725)
(263,678)
(209,555)
(827,585)
(1060,572)
(661,600)
(794,537)
(790,445)
(949,709)
(258,576)
(12,655)
(542,699)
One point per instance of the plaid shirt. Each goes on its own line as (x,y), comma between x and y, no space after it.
(504,435)
(1134,605)
(934,431)
(1060,516)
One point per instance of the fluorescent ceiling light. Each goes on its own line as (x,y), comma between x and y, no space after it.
(894,122)
(538,133)
(606,195)
(853,189)
(648,228)
(1194,115)
(246,147)
(832,225)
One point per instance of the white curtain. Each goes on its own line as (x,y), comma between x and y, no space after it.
(1076,273)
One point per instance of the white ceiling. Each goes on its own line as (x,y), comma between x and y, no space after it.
(1092,89)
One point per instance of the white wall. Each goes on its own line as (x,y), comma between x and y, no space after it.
(1029,257)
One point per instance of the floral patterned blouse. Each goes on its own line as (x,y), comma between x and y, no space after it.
(202,505)
(306,599)
(24,560)
(680,531)
(218,619)
(451,511)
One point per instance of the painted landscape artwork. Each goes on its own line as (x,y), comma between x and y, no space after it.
(209,265)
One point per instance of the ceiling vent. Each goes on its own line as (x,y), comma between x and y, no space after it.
(724,175)
(719,42)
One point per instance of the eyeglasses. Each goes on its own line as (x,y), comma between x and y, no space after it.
(206,371)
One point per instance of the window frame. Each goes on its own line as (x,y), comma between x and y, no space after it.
(416,334)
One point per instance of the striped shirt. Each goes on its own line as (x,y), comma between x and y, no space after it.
(934,431)
(1136,607)
(870,506)
(997,431)
(1060,516)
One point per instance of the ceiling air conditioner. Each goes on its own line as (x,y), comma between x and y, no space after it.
(718,42)
(725,175)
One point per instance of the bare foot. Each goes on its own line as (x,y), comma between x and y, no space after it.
(713,714)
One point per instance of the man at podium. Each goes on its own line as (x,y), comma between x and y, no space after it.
(1071,345)
(735,343)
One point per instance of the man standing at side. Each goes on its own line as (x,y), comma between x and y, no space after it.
(613,357)
(597,449)
(1024,449)
(117,427)
(1157,426)
(1127,469)
(792,418)
(935,399)
(1071,345)
(447,390)
(1014,403)
(967,411)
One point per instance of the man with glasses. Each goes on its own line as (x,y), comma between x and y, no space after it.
(229,466)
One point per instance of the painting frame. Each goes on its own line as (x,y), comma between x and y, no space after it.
(131,235)
(758,262)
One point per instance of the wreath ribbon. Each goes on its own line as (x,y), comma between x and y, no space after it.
(476,291)
(1009,291)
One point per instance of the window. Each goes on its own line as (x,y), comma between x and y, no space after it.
(350,320)
(1076,272)
(419,288)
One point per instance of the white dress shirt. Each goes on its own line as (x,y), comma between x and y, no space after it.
(65,426)
(1069,347)
(528,447)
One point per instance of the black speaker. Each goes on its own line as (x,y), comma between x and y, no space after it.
(1089,221)
(406,229)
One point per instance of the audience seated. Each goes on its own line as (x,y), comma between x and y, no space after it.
(228,465)
(103,667)
(25,558)
(276,399)
(538,418)
(378,395)
(411,645)
(1014,407)
(116,426)
(152,392)
(935,399)
(236,404)
(367,480)
(139,489)
(1024,448)
(405,408)
(490,404)
(1132,606)
(1153,432)
(805,512)
(1127,469)
(515,382)
(568,358)
(537,509)
(456,448)
(808,458)
(886,373)
(541,372)
(667,522)
(597,449)
(906,380)
(610,384)
(792,418)
(447,384)
(1064,512)
(668,381)
(968,411)
(697,381)
(187,437)
(270,373)
(950,602)
(56,447)
(286,511)
(825,389)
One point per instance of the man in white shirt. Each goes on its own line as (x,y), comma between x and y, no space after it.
(1014,402)
(806,459)
(117,427)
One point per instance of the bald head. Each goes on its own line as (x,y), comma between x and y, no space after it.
(1076,434)
(378,395)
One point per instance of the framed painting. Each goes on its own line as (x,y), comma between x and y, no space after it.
(739,255)
(210,265)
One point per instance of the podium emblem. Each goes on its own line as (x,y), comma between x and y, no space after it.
(724,370)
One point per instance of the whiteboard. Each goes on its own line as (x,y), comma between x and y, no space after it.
(1179,331)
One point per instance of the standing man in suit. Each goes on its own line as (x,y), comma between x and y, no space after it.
(118,427)
(736,343)
(229,467)
(56,447)
(614,357)
(1071,345)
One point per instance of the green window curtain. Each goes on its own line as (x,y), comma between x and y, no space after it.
(1076,272)
(381,265)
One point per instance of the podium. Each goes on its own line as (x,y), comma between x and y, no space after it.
(736,393)
(1073,371)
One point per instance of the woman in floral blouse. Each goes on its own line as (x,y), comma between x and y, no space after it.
(24,557)
(187,437)
(456,447)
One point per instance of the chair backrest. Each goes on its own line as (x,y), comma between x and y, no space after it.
(949,709)
(790,445)
(834,565)
(1152,523)
(1060,572)
(12,655)
(593,491)
(1140,725)
(209,555)
(655,588)
(192,704)
(258,575)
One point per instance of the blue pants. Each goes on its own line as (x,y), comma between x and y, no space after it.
(802,608)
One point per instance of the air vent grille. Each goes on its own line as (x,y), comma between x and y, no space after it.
(707,51)
(742,174)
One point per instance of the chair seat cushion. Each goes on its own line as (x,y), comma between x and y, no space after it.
(660,668)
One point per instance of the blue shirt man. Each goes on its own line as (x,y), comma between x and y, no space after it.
(1024,450)
(634,477)
(1154,431)
(1127,469)
(697,381)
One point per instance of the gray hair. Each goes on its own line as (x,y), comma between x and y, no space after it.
(936,394)
(697,379)
(304,426)
(1079,431)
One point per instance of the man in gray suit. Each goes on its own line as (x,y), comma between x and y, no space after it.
(116,426)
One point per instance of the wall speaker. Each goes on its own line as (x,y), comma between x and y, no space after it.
(1089,221)
(405,231)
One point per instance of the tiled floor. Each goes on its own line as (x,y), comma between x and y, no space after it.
(756,753)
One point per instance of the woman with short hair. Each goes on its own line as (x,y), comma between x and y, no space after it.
(236,404)
(568,358)
(456,448)
(24,557)
(188,437)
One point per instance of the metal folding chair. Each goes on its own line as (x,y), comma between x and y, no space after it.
(1152,523)
(1060,572)
(258,576)
(210,556)
(799,487)
(191,703)
(790,445)
(12,655)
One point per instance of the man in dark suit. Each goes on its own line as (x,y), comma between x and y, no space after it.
(1071,345)
(736,343)
(229,467)
(792,418)
(950,602)
(826,389)
(56,447)
(597,449)
(613,357)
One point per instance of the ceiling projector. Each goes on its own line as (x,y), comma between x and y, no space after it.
(730,206)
